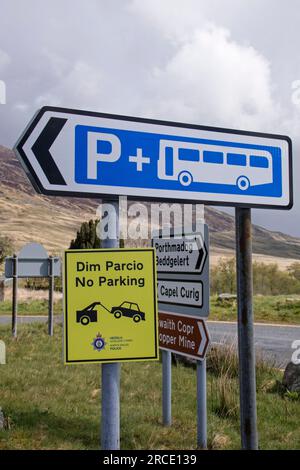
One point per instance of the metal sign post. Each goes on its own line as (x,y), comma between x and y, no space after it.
(110,418)
(245,329)
(51,291)
(15,296)
(201,405)
(167,387)
(183,291)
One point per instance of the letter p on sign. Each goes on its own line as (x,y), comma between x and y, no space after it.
(98,144)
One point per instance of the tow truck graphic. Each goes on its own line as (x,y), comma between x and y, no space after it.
(126,309)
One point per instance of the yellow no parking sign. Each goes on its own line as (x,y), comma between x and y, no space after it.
(110,305)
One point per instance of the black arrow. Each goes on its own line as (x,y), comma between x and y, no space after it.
(201,254)
(41,150)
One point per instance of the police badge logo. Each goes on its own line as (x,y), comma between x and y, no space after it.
(98,343)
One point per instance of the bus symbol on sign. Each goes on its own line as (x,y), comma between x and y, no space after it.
(190,162)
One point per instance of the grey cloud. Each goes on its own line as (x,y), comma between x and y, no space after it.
(228,63)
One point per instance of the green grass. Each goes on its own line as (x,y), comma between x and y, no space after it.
(269,309)
(272,309)
(32,307)
(52,406)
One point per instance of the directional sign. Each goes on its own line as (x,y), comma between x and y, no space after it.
(187,336)
(86,153)
(110,305)
(180,255)
(32,261)
(180,292)
(183,273)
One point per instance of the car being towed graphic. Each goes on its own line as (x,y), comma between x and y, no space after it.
(128,309)
(89,314)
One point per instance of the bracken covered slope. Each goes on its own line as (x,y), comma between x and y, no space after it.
(27,216)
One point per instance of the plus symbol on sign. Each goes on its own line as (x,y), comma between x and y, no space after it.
(139,159)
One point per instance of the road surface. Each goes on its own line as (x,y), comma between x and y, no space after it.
(273,342)
(6,319)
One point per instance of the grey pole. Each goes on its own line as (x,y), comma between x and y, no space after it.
(15,297)
(167,387)
(201,405)
(110,423)
(245,329)
(51,290)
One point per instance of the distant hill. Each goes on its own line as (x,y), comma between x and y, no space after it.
(265,242)
(27,216)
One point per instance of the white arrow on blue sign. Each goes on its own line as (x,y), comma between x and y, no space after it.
(93,154)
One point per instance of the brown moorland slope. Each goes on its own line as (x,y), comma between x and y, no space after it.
(26,216)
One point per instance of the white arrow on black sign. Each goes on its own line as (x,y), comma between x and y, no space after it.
(180,255)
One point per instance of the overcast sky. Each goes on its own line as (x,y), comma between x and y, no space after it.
(228,63)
